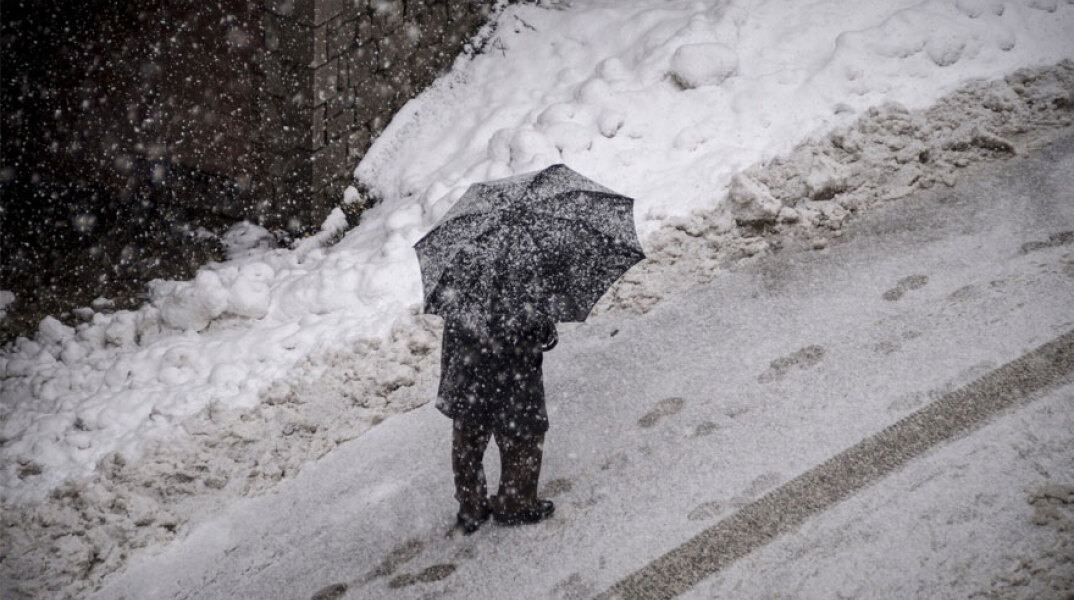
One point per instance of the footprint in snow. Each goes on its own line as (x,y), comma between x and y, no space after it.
(429,575)
(556,487)
(664,408)
(705,428)
(1056,239)
(331,592)
(913,282)
(574,587)
(757,488)
(706,511)
(802,358)
(397,557)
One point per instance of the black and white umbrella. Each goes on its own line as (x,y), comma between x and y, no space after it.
(551,241)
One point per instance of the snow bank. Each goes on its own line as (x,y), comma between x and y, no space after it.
(663,101)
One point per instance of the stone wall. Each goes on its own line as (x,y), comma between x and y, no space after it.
(255,109)
(131,127)
(335,73)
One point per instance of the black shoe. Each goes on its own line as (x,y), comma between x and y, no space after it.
(467,522)
(534,513)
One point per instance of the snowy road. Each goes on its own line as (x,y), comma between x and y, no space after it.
(665,424)
(847,473)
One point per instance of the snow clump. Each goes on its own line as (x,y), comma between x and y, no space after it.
(696,65)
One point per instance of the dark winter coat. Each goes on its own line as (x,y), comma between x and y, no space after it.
(497,380)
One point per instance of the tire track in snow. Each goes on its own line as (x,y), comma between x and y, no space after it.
(781,510)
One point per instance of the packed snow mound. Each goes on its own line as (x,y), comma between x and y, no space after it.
(661,101)
(664,101)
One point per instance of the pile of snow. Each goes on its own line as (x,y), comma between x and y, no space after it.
(662,101)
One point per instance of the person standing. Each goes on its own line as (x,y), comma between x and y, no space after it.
(491,386)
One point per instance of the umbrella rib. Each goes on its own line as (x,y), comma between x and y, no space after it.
(621,245)
(455,222)
(607,196)
(618,247)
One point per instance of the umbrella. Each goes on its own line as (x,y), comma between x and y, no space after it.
(551,241)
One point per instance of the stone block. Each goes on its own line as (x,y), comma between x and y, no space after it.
(402,84)
(387,16)
(363,56)
(411,35)
(433,23)
(366,105)
(343,76)
(304,86)
(381,96)
(320,202)
(363,33)
(341,37)
(298,44)
(312,133)
(308,12)
(377,125)
(455,40)
(361,66)
(344,100)
(391,51)
(287,125)
(425,64)
(358,143)
(327,162)
(292,166)
(284,8)
(346,168)
(468,11)
(325,80)
(340,124)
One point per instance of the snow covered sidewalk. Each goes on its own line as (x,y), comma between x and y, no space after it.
(667,423)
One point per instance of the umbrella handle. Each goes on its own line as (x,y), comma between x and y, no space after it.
(551,338)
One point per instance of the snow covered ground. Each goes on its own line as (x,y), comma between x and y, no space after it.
(229,383)
(666,423)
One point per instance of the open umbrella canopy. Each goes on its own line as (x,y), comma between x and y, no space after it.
(551,242)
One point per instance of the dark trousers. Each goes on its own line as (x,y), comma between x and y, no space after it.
(520,468)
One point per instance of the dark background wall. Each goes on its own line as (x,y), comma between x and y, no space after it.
(133,133)
(91,87)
